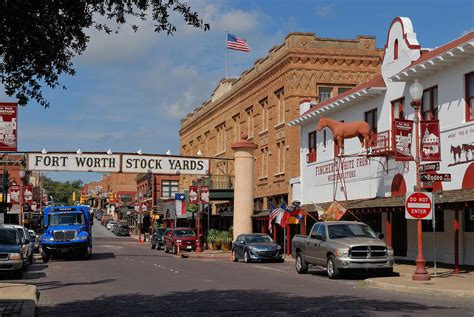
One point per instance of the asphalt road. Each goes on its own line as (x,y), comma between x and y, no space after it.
(125,278)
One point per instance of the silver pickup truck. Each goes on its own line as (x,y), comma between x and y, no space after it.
(341,246)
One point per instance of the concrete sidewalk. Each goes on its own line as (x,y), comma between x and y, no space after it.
(445,282)
(18,299)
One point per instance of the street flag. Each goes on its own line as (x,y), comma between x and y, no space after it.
(286,215)
(180,204)
(281,213)
(236,43)
(273,214)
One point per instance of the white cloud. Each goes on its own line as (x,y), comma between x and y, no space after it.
(237,21)
(323,10)
(181,106)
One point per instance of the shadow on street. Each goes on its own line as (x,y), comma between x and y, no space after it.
(231,303)
(42,286)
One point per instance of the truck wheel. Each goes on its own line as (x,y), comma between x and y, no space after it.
(333,271)
(45,257)
(300,264)
(247,257)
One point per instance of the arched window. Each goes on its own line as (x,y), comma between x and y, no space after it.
(395,50)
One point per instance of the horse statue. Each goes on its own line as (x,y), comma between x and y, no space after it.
(456,150)
(349,130)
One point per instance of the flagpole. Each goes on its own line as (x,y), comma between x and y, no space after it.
(226,52)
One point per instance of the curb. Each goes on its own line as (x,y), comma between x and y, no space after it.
(413,289)
(28,309)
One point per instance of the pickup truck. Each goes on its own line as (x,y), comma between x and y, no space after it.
(342,246)
(68,230)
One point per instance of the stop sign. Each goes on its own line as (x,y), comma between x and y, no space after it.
(419,205)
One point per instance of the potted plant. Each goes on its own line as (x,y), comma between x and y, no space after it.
(211,239)
(226,239)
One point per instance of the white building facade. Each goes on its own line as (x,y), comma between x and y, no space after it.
(373,186)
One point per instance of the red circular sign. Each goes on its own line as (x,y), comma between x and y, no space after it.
(418,205)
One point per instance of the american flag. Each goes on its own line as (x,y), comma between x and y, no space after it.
(272,216)
(236,43)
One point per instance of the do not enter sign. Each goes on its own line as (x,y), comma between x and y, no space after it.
(419,205)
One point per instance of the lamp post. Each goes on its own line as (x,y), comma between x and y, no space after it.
(22,175)
(416,92)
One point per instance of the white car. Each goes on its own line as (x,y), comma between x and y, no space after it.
(109,225)
(26,242)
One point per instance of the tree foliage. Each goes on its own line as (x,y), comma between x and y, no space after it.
(62,191)
(39,39)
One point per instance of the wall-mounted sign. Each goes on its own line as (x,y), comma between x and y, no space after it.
(193,195)
(85,162)
(403,134)
(8,126)
(429,167)
(164,164)
(430,141)
(435,177)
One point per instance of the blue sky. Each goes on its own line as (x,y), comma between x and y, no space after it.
(131,89)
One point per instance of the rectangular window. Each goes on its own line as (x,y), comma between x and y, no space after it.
(324,139)
(427,225)
(429,104)
(236,121)
(469,220)
(281,157)
(220,138)
(324,93)
(470,96)
(371,119)
(264,162)
(264,111)
(281,107)
(397,109)
(311,156)
(169,188)
(250,124)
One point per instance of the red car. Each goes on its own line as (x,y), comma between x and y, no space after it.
(183,238)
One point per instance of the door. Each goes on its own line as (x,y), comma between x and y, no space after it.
(240,246)
(399,234)
(321,247)
(311,243)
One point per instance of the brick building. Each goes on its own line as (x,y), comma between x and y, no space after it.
(264,98)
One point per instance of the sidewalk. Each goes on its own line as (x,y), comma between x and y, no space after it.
(18,299)
(444,283)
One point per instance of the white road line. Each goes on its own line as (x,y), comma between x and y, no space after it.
(269,268)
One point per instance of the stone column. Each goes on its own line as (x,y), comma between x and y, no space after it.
(243,185)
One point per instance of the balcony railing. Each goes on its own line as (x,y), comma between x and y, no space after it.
(384,143)
(216,182)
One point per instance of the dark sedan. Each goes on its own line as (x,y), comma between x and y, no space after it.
(157,239)
(121,230)
(256,247)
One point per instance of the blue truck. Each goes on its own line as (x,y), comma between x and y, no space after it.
(67,231)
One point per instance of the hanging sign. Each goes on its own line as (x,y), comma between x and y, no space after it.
(193,195)
(15,194)
(28,194)
(85,162)
(8,126)
(204,195)
(430,141)
(403,136)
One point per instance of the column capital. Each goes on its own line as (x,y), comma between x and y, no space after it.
(244,143)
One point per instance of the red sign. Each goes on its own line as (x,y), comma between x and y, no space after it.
(8,126)
(193,195)
(419,205)
(15,194)
(430,141)
(204,195)
(28,194)
(403,137)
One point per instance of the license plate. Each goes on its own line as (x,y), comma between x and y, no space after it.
(189,247)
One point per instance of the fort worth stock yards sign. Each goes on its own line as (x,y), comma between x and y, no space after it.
(116,163)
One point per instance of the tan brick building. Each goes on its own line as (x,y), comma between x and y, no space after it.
(264,98)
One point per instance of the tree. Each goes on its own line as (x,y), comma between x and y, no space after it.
(39,39)
(62,191)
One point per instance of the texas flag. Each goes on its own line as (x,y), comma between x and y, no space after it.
(180,204)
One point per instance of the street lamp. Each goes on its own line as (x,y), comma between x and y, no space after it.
(416,92)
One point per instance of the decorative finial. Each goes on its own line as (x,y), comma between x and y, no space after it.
(139,152)
(244,136)
(109,151)
(79,151)
(43,151)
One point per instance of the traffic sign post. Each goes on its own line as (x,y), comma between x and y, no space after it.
(419,205)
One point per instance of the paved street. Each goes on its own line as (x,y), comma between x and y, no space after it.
(127,278)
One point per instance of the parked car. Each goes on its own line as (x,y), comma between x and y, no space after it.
(12,253)
(27,243)
(341,246)
(35,240)
(110,224)
(113,227)
(183,238)
(157,238)
(256,247)
(121,230)
(105,218)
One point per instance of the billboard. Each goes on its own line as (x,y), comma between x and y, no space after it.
(403,138)
(8,126)
(430,141)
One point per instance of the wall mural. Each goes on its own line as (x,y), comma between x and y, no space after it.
(461,149)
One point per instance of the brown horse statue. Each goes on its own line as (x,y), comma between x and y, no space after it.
(349,130)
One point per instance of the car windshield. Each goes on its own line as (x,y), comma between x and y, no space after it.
(123,227)
(184,233)
(345,230)
(66,219)
(258,239)
(8,237)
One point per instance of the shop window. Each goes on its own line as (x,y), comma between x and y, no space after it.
(395,50)
(324,93)
(469,220)
(311,156)
(427,225)
(429,104)
(470,96)
(371,119)
(169,188)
